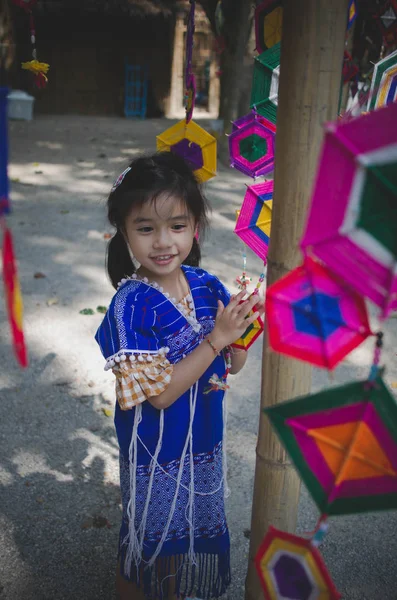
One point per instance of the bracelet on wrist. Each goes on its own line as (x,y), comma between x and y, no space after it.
(216,351)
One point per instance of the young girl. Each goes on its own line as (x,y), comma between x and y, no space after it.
(166,336)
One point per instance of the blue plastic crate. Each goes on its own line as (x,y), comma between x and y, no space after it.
(135,94)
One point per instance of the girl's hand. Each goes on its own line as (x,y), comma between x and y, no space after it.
(232,321)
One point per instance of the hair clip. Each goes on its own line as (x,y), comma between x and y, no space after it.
(119,179)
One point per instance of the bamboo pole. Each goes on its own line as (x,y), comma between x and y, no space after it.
(311,63)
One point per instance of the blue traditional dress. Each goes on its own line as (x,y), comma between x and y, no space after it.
(172,468)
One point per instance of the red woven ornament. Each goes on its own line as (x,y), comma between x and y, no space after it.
(350,69)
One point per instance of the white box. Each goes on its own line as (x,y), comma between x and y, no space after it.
(20,105)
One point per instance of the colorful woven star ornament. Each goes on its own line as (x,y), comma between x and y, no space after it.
(254,219)
(291,568)
(12,292)
(312,316)
(343,443)
(252,147)
(384,82)
(352,223)
(264,94)
(194,144)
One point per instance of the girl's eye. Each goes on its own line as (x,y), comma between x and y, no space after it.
(178,226)
(145,229)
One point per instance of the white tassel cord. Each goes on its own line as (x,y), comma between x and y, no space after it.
(193,399)
(152,470)
(132,539)
(190,505)
(224,450)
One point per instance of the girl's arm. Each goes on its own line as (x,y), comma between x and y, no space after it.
(230,324)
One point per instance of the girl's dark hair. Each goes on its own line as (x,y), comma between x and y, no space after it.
(148,177)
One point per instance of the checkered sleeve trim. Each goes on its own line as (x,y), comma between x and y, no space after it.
(138,381)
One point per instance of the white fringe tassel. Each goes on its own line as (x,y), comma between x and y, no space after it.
(152,470)
(193,400)
(133,547)
(226,489)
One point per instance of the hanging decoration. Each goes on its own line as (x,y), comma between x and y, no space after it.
(190,80)
(352,14)
(249,118)
(254,220)
(13,297)
(343,443)
(312,316)
(39,69)
(268,24)
(190,97)
(12,293)
(386,19)
(192,143)
(349,69)
(264,93)
(352,223)
(290,566)
(251,148)
(383,89)
(250,335)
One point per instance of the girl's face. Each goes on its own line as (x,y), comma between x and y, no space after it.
(160,235)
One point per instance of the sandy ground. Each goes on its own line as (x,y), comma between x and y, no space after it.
(59,496)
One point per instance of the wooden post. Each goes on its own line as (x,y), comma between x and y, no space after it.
(174,106)
(310,76)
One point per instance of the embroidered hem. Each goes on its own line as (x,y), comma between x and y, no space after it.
(175,576)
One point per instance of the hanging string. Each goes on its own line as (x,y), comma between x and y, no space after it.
(374,371)
(39,69)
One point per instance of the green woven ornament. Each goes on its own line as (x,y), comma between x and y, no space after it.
(264,95)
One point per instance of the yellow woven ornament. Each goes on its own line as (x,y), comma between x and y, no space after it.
(194,144)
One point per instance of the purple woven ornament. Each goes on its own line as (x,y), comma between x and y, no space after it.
(252,146)
(249,118)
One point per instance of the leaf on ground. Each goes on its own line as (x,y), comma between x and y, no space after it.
(64,211)
(39,275)
(87,311)
(107,412)
(101,309)
(394,384)
(36,164)
(38,172)
(87,523)
(99,521)
(15,179)
(52,301)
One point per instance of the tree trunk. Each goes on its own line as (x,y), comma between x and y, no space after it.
(238,21)
(237,29)
(310,75)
